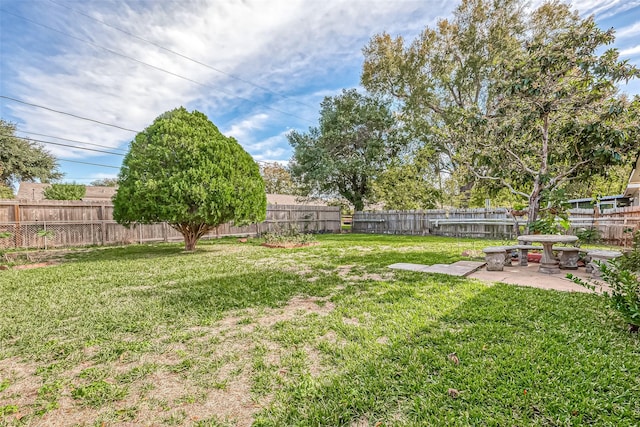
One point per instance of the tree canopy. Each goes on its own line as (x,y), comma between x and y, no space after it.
(105,182)
(515,99)
(65,192)
(277,179)
(355,140)
(23,160)
(182,170)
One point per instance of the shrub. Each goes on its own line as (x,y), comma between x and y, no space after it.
(621,275)
(65,192)
(288,236)
(588,235)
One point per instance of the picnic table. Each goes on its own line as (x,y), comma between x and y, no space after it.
(548,264)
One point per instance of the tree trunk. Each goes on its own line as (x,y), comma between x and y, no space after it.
(534,198)
(190,240)
(358,204)
(534,204)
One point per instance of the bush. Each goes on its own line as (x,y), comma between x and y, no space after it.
(291,236)
(6,192)
(65,192)
(588,235)
(621,275)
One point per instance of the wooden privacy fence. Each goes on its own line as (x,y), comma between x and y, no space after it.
(615,226)
(51,223)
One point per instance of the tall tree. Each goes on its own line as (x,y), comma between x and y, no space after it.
(23,160)
(182,170)
(409,182)
(355,140)
(277,179)
(445,69)
(518,100)
(559,117)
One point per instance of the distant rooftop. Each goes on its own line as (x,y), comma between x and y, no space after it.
(33,191)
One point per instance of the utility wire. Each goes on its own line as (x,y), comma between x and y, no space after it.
(67,145)
(150,65)
(180,54)
(87,163)
(67,114)
(69,140)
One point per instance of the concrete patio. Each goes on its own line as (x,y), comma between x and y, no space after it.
(513,275)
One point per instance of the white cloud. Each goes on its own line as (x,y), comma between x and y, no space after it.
(630,31)
(300,50)
(279,45)
(632,51)
(242,129)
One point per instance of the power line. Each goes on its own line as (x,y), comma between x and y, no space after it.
(87,163)
(180,54)
(69,140)
(67,145)
(68,114)
(150,65)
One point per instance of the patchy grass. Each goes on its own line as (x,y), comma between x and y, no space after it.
(237,334)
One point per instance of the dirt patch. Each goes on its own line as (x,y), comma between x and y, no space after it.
(289,245)
(344,270)
(36,265)
(215,385)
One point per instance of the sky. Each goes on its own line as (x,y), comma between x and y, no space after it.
(257,68)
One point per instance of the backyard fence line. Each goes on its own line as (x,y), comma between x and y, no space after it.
(52,223)
(614,225)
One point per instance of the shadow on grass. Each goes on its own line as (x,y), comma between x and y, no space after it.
(390,256)
(136,252)
(75,316)
(526,357)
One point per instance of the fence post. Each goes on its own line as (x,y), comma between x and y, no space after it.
(103,224)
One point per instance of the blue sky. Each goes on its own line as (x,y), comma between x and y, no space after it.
(264,65)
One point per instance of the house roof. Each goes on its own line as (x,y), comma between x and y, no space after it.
(33,191)
(633,186)
(287,199)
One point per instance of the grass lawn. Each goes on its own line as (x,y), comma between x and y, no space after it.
(238,333)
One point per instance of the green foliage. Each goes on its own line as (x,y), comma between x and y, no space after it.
(408,184)
(277,179)
(105,182)
(98,393)
(182,170)
(588,236)
(288,236)
(520,100)
(6,192)
(631,260)
(65,192)
(354,142)
(22,159)
(45,233)
(8,410)
(621,275)
(624,295)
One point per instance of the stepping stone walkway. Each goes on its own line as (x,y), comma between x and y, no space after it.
(460,268)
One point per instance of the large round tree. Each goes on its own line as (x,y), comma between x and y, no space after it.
(182,170)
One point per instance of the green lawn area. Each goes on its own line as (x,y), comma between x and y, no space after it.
(325,335)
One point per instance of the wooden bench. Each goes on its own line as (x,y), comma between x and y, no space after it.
(599,257)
